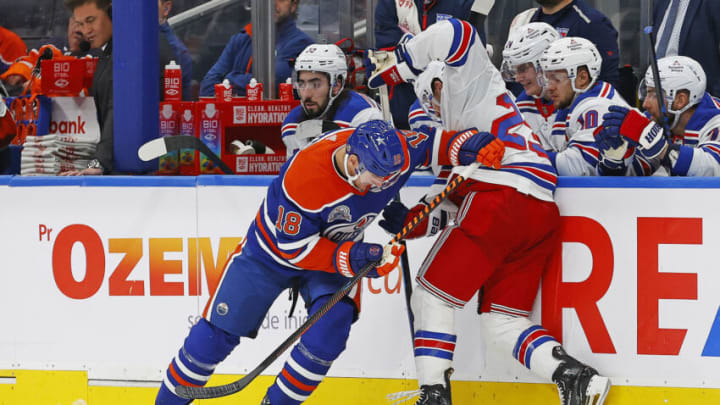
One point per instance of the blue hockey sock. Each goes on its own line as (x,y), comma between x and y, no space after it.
(311,359)
(204,348)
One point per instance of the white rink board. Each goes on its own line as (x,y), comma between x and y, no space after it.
(151,230)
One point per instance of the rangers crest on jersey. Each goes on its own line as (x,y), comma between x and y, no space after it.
(341,212)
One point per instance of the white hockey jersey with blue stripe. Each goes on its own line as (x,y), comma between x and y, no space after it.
(580,123)
(474,95)
(699,153)
(540,114)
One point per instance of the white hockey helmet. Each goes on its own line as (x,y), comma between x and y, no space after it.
(677,73)
(424,89)
(526,44)
(569,54)
(323,58)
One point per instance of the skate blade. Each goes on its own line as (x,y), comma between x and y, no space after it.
(597,390)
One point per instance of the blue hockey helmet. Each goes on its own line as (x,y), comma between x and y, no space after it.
(378,148)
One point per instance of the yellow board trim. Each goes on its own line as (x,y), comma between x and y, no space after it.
(34,387)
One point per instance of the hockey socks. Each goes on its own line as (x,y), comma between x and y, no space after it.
(434,340)
(533,349)
(203,349)
(301,374)
(312,357)
(528,343)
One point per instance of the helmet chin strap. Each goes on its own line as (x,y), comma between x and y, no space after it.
(350,179)
(331,98)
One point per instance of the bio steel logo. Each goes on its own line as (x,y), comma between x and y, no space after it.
(201,260)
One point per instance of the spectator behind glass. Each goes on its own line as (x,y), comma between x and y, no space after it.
(171,48)
(416,17)
(11,48)
(694,32)
(94,18)
(235,62)
(575,18)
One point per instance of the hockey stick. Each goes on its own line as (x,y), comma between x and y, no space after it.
(404,261)
(227,389)
(659,94)
(160,146)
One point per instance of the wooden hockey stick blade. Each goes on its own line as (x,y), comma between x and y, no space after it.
(160,146)
(227,389)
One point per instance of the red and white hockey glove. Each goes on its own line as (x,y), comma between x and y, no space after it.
(471,145)
(637,129)
(391,67)
(351,257)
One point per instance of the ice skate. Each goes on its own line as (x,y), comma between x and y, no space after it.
(437,394)
(578,384)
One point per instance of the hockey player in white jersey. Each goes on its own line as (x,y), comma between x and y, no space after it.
(570,68)
(319,78)
(506,228)
(692,148)
(521,64)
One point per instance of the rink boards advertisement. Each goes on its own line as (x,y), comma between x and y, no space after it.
(108,275)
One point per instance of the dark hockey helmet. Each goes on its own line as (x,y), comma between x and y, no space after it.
(378,148)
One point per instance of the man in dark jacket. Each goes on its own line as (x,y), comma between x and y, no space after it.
(575,18)
(695,34)
(95,22)
(235,63)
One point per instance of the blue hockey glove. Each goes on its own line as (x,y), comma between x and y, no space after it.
(609,138)
(471,145)
(394,217)
(351,257)
(613,148)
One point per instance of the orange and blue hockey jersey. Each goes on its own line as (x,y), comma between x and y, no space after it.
(310,207)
